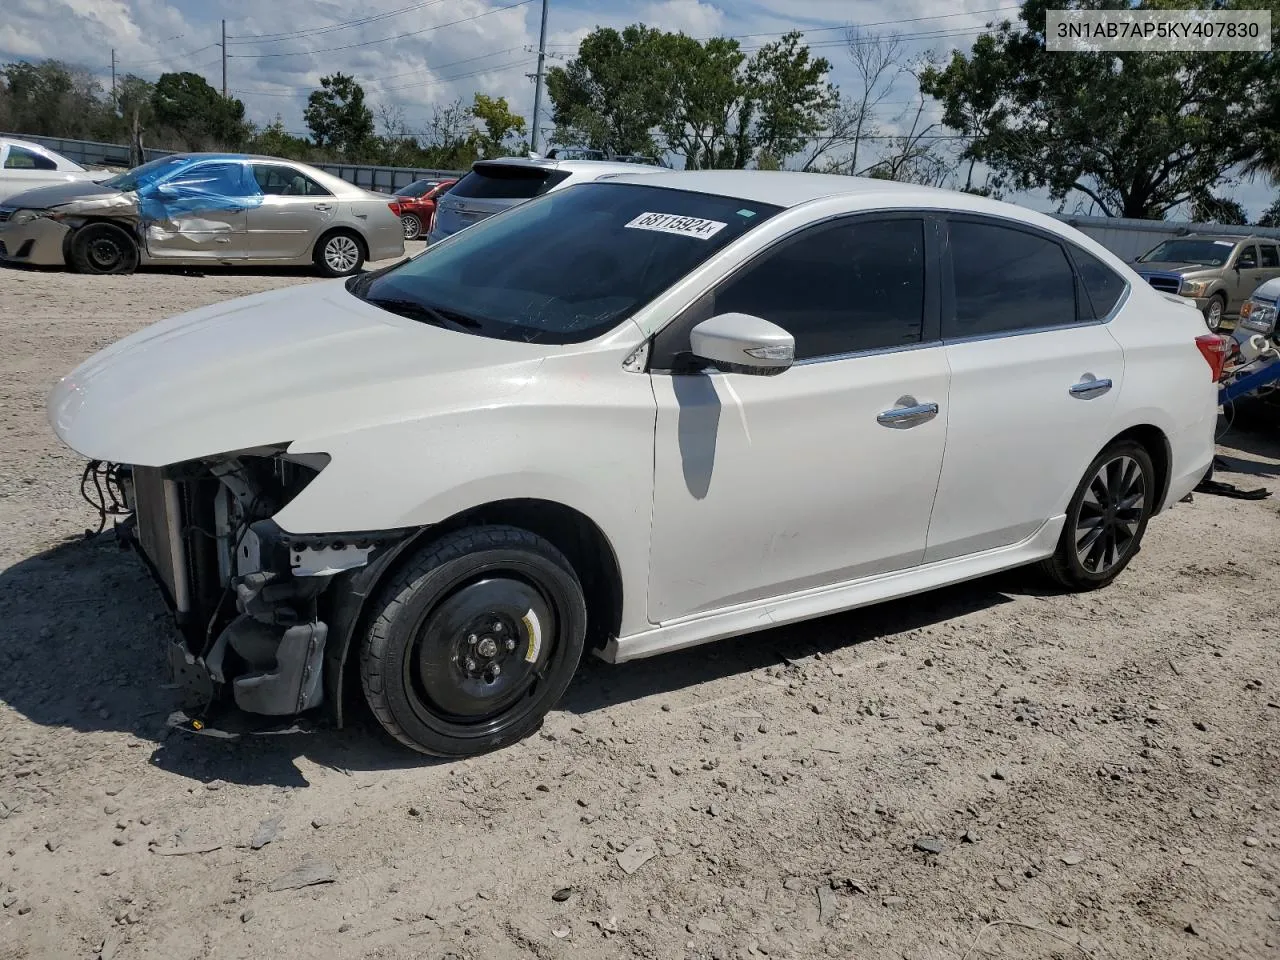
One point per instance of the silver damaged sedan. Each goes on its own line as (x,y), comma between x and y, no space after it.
(197,209)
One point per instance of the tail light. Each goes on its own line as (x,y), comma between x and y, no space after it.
(395,207)
(1214,350)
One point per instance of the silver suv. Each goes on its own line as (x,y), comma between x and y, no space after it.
(496,185)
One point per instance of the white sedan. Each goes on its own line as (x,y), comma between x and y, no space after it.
(26,166)
(632,416)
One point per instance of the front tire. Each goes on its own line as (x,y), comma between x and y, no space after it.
(1106,518)
(1214,311)
(339,254)
(103,248)
(474,642)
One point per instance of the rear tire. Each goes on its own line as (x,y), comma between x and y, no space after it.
(103,248)
(339,254)
(412,226)
(474,641)
(1106,518)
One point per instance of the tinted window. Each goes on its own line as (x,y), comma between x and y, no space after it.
(1270,256)
(839,289)
(20,158)
(278,181)
(566,267)
(1102,285)
(1248,257)
(1006,280)
(506,182)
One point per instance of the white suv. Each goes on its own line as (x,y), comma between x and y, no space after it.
(496,185)
(632,416)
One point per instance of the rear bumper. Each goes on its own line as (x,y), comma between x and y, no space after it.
(36,242)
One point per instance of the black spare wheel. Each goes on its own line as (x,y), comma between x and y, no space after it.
(1106,518)
(103,248)
(474,641)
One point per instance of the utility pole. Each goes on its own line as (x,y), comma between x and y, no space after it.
(114,101)
(537,89)
(224,59)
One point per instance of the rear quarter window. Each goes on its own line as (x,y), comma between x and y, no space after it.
(1102,285)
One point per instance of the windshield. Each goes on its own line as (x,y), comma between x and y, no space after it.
(566,267)
(149,172)
(1211,253)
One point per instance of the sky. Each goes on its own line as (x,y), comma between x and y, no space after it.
(417,55)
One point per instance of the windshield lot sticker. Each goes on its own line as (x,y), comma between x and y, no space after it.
(1224,243)
(681,226)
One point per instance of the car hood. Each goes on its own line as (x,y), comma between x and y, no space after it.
(295,364)
(1170,266)
(42,198)
(1268,291)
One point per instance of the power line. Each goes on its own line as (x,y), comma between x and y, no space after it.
(331,28)
(177,54)
(398,36)
(855,26)
(300,94)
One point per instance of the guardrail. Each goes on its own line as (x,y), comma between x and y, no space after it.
(94,153)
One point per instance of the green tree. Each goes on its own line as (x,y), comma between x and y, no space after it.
(449,141)
(498,127)
(186,104)
(337,116)
(1138,133)
(1211,209)
(274,141)
(52,99)
(1271,216)
(606,98)
(642,90)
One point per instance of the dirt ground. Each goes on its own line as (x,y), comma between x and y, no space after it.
(1099,775)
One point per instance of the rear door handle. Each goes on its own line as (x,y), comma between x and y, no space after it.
(908,413)
(1089,388)
(322,206)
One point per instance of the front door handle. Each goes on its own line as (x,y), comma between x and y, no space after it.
(908,413)
(1089,388)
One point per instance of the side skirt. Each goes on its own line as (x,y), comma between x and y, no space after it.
(764,614)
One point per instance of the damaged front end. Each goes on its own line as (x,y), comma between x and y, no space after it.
(253,603)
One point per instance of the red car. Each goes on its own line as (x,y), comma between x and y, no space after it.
(416,205)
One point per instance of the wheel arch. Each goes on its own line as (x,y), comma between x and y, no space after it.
(1154,440)
(573,533)
(341,228)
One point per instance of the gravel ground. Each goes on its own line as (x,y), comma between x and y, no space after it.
(991,771)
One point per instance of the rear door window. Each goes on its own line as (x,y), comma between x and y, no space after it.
(513,182)
(1007,280)
(281,181)
(1270,255)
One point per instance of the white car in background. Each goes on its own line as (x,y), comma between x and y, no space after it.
(493,186)
(636,415)
(26,166)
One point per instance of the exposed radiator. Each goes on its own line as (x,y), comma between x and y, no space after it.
(158,507)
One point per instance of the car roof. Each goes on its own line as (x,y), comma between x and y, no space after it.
(572,166)
(1231,237)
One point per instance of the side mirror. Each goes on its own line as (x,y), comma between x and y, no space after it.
(741,343)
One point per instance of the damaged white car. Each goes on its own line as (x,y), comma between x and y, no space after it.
(632,416)
(202,209)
